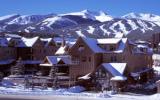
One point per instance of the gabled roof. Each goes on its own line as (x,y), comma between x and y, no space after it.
(121,46)
(46,41)
(56,59)
(7,61)
(92,44)
(116,69)
(29,42)
(109,41)
(61,50)
(3,42)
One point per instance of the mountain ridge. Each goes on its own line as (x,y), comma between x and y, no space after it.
(85,23)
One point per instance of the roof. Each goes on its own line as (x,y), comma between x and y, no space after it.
(3,42)
(55,59)
(61,50)
(109,41)
(116,69)
(122,46)
(46,40)
(8,61)
(29,42)
(92,43)
(85,77)
(31,61)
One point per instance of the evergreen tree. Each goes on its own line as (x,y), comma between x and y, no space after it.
(18,69)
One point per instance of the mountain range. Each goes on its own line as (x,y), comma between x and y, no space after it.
(84,23)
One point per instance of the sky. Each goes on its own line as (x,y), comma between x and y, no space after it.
(111,7)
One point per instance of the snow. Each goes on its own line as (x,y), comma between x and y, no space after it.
(79,33)
(91,29)
(142,46)
(76,89)
(108,41)
(100,16)
(132,24)
(116,69)
(156,56)
(47,41)
(78,92)
(55,59)
(119,35)
(92,43)
(61,50)
(122,46)
(85,77)
(103,17)
(119,78)
(7,17)
(104,30)
(52,20)
(29,42)
(143,16)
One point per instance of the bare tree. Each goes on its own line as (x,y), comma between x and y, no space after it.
(53,76)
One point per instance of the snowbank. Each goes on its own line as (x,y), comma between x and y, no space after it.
(7,83)
(76,89)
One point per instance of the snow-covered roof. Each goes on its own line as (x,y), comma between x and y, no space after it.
(119,35)
(3,42)
(118,78)
(92,43)
(121,46)
(85,77)
(29,42)
(8,61)
(108,41)
(13,35)
(116,69)
(61,50)
(31,61)
(142,46)
(55,59)
(46,40)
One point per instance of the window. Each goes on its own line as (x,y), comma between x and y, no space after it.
(81,48)
(111,48)
(113,59)
(84,59)
(75,60)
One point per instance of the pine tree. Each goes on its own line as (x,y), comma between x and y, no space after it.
(18,69)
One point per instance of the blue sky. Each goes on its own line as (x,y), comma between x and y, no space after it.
(112,7)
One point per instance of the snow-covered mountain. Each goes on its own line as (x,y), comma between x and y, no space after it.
(84,23)
(143,16)
(100,16)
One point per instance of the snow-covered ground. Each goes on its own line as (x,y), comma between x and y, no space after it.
(70,93)
(10,90)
